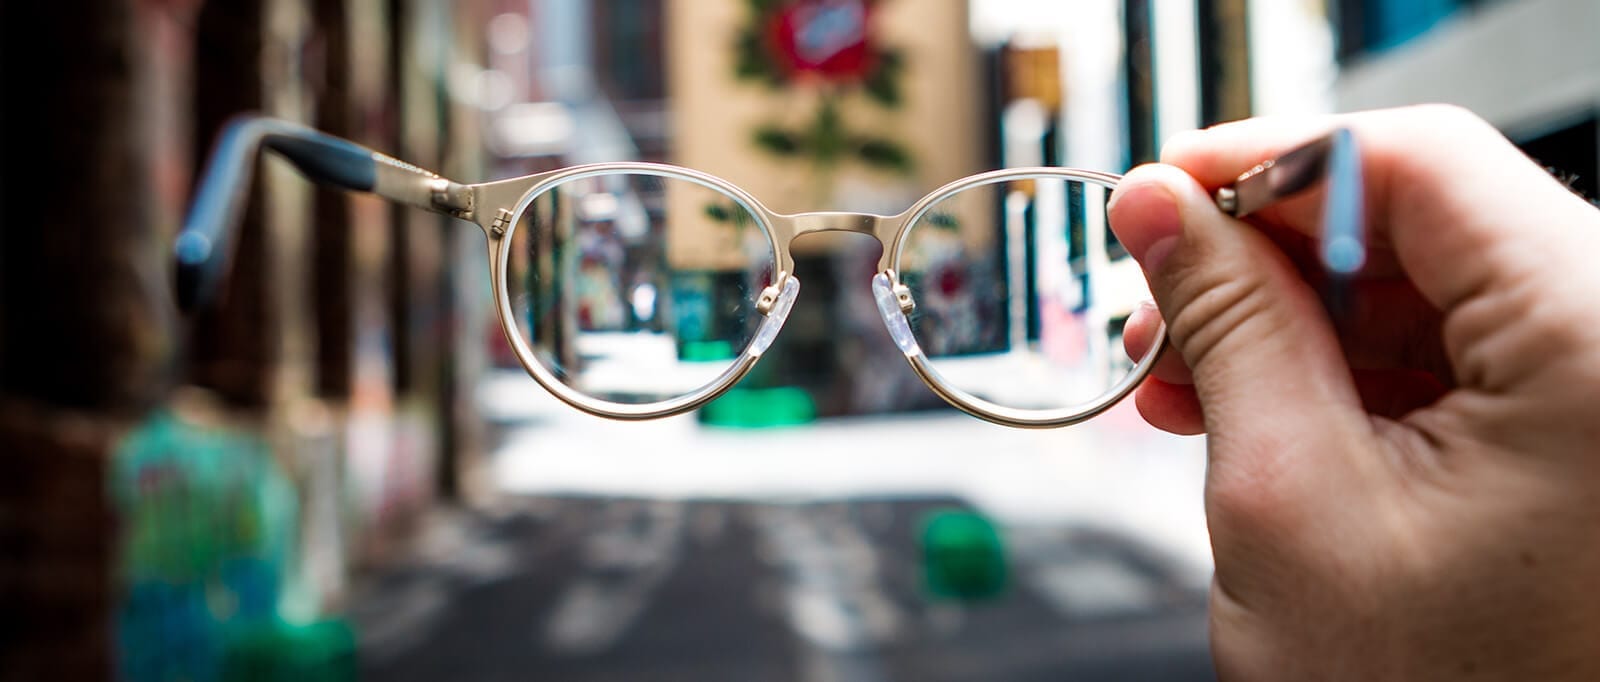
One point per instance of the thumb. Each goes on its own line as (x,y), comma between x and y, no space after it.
(1267,366)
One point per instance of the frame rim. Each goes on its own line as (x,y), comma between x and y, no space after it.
(780,229)
(979,407)
(499,253)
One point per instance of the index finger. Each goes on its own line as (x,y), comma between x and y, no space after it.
(1442,188)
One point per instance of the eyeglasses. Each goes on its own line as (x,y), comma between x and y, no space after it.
(643,290)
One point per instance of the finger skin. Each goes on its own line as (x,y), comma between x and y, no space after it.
(1140,335)
(1252,331)
(1410,493)
(1172,408)
(1400,178)
(1386,326)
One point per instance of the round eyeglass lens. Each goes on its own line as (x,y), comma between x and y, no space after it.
(1021,292)
(636,287)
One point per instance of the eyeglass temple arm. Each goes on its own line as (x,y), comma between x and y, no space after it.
(1335,157)
(204,244)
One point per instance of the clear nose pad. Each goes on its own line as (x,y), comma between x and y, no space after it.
(893,308)
(775,317)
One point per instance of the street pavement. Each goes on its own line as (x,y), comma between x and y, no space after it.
(589,588)
(669,550)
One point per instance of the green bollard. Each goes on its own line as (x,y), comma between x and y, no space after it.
(281,652)
(962,556)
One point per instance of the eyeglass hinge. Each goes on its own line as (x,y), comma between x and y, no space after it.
(1227,199)
(451,197)
(502,221)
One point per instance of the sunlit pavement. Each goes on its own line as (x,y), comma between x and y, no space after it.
(1114,472)
(672,550)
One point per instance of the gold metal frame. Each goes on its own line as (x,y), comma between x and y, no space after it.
(496,207)
(202,248)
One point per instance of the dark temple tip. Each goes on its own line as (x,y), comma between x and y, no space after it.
(187,288)
(192,270)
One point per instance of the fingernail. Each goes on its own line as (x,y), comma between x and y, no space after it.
(1148,224)
(1158,252)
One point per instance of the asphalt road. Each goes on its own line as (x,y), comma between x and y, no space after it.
(601,588)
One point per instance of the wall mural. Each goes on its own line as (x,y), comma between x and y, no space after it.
(828,46)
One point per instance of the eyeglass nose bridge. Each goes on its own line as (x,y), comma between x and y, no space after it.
(786,228)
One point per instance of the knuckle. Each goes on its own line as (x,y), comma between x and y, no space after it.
(1515,332)
(1447,119)
(1218,310)
(1424,129)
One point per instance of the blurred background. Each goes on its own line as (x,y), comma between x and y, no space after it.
(340,471)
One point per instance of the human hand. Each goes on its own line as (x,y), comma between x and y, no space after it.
(1412,492)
